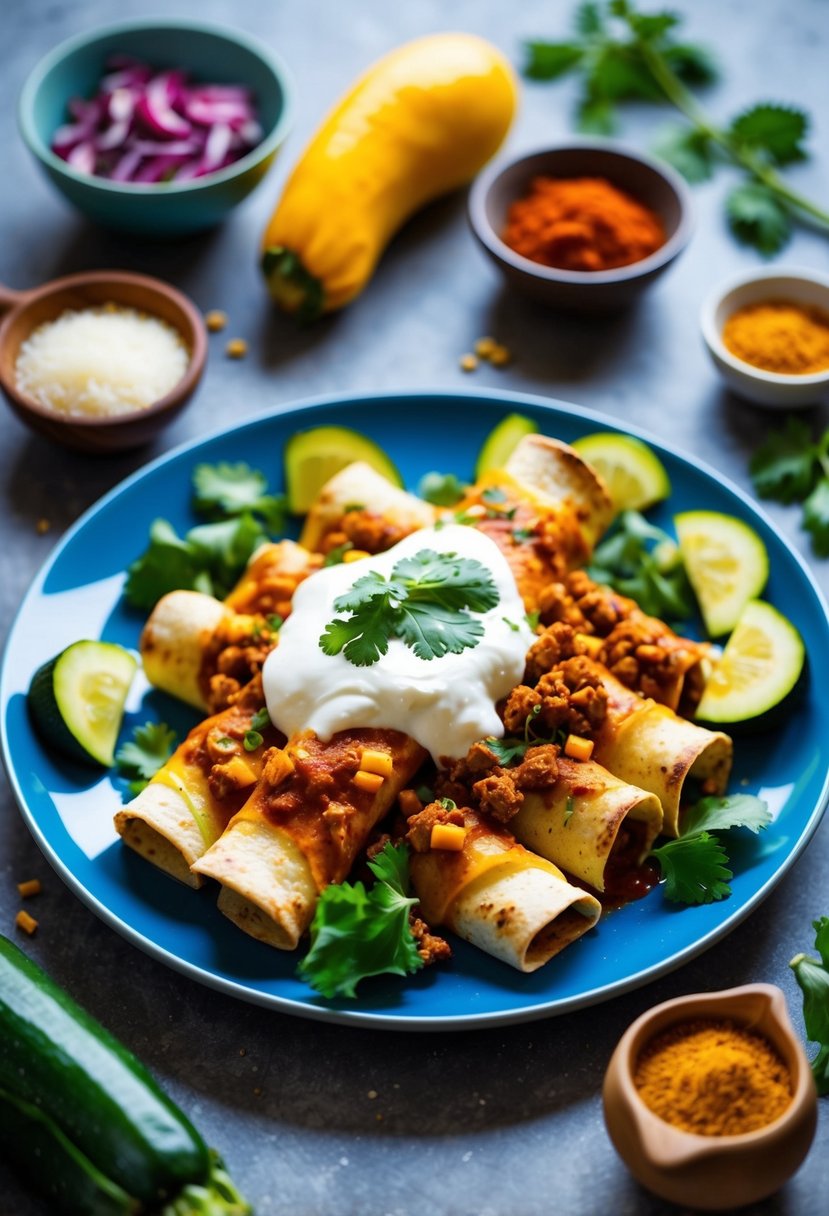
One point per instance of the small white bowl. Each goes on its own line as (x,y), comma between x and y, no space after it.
(768,389)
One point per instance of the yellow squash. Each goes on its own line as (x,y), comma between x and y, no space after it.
(421,122)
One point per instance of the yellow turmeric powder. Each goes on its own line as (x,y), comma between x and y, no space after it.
(713,1078)
(581,223)
(779,336)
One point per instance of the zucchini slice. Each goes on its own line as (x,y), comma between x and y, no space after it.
(502,441)
(760,665)
(312,457)
(635,476)
(727,565)
(77,699)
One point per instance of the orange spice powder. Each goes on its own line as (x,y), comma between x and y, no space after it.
(581,223)
(779,336)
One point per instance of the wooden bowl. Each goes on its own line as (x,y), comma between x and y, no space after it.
(711,1173)
(92,289)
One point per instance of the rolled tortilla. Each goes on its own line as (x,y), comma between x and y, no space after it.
(271,577)
(358,485)
(576,822)
(504,899)
(303,828)
(648,745)
(181,813)
(555,473)
(176,638)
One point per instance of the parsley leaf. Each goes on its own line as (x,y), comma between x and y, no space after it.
(694,869)
(812,976)
(785,467)
(816,517)
(441,489)
(756,217)
(425,603)
(141,757)
(641,561)
(773,129)
(230,489)
(357,933)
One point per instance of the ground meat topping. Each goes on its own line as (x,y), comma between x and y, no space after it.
(419,827)
(556,643)
(362,529)
(498,796)
(568,698)
(430,946)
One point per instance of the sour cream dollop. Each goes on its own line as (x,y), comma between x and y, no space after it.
(446,703)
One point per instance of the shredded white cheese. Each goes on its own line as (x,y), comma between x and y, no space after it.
(101,361)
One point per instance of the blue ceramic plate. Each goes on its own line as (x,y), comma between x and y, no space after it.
(69,811)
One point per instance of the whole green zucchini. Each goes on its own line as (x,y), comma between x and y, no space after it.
(73,1096)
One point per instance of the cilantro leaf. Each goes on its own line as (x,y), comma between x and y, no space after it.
(424,604)
(618,74)
(141,757)
(694,869)
(641,561)
(357,933)
(816,517)
(756,217)
(689,151)
(508,749)
(548,61)
(773,129)
(717,814)
(230,489)
(441,489)
(786,465)
(588,19)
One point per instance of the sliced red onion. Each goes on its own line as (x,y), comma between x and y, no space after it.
(217,146)
(125,167)
(158,169)
(155,109)
(121,103)
(82,157)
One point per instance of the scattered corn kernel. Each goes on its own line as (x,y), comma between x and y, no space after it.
(42,526)
(25,922)
(301,753)
(215,320)
(355,555)
(30,887)
(485,346)
(236,348)
(578,748)
(239,772)
(590,645)
(409,803)
(449,836)
(372,761)
(468,362)
(500,355)
(368,781)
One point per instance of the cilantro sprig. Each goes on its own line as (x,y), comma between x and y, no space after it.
(358,932)
(695,865)
(211,556)
(139,758)
(622,54)
(426,603)
(511,748)
(812,975)
(641,561)
(442,489)
(790,467)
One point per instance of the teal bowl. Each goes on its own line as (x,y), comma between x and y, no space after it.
(210,54)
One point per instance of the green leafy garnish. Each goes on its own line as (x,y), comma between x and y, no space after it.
(425,603)
(225,490)
(641,561)
(510,749)
(442,489)
(621,54)
(812,976)
(790,466)
(357,933)
(209,558)
(336,556)
(695,865)
(140,758)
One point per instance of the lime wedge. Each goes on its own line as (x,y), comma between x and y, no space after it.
(634,475)
(760,665)
(726,562)
(77,699)
(312,457)
(502,441)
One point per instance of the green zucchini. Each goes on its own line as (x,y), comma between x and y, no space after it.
(72,1095)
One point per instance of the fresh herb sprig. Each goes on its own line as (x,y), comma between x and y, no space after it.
(211,556)
(641,561)
(695,865)
(622,54)
(139,758)
(426,603)
(442,489)
(792,467)
(812,975)
(358,932)
(511,748)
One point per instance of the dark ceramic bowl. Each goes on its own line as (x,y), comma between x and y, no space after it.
(650,181)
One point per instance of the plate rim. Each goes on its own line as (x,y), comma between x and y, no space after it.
(363,1018)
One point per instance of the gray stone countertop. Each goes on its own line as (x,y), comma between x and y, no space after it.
(316,1118)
